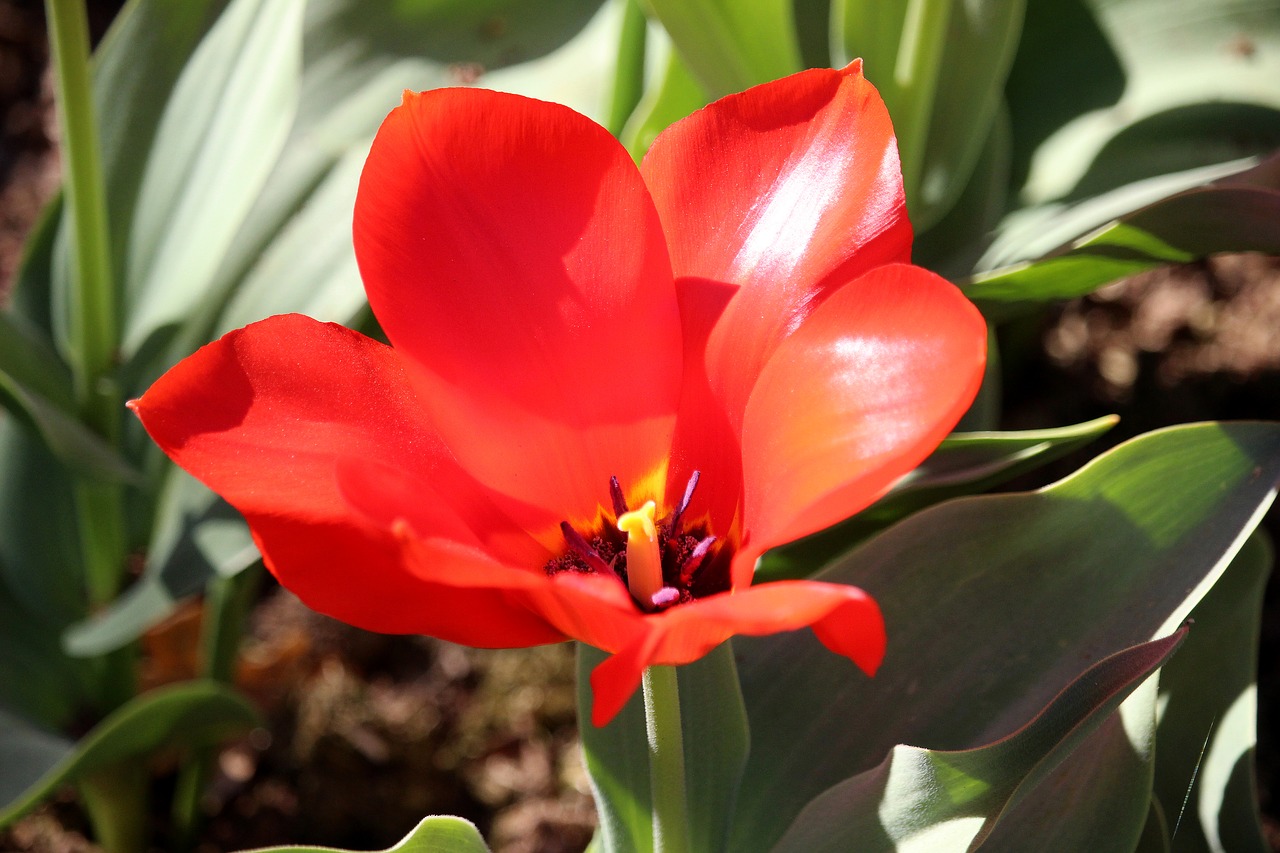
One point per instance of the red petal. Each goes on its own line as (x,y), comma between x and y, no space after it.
(788,189)
(845,618)
(510,248)
(265,415)
(854,399)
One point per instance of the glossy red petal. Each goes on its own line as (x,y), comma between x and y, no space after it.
(858,396)
(845,618)
(510,248)
(267,416)
(787,190)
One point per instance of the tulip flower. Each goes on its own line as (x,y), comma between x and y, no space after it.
(609,389)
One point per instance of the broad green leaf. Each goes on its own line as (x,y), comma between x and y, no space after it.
(432,835)
(197,536)
(37,682)
(219,137)
(715,748)
(1030,590)
(1208,721)
(926,800)
(966,80)
(1233,214)
(1156,87)
(963,464)
(731,45)
(191,714)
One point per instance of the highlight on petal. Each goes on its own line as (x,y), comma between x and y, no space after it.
(845,619)
(787,190)
(511,250)
(858,396)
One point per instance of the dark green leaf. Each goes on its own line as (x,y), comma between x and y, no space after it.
(964,463)
(994,604)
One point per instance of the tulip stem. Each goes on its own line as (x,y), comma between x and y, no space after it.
(666,760)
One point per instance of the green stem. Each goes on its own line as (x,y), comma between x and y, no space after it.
(666,760)
(915,78)
(628,74)
(116,799)
(92,306)
(93,316)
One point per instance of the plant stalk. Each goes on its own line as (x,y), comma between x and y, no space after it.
(92,303)
(666,760)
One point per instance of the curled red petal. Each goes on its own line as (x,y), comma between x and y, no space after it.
(786,191)
(856,397)
(845,618)
(510,248)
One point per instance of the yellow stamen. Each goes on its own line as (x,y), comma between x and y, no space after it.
(644,561)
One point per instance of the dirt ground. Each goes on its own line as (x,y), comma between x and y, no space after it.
(430,728)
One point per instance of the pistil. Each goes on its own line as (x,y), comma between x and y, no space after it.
(644,556)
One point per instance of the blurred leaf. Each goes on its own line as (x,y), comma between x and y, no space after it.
(76,447)
(994,604)
(1233,214)
(731,45)
(715,748)
(978,51)
(675,95)
(431,835)
(963,464)
(28,358)
(218,139)
(1208,724)
(190,714)
(197,536)
(925,800)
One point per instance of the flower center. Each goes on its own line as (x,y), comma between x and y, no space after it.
(662,561)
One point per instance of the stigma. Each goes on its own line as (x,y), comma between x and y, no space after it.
(662,561)
(644,557)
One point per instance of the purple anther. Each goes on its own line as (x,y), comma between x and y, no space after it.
(666,595)
(584,550)
(694,560)
(619,501)
(684,501)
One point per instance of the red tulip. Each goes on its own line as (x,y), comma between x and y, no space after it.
(738,313)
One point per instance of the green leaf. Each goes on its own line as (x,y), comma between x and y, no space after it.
(432,835)
(919,799)
(978,51)
(1232,214)
(1208,725)
(731,45)
(219,137)
(675,95)
(28,358)
(715,747)
(1030,589)
(197,536)
(77,448)
(963,464)
(190,714)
